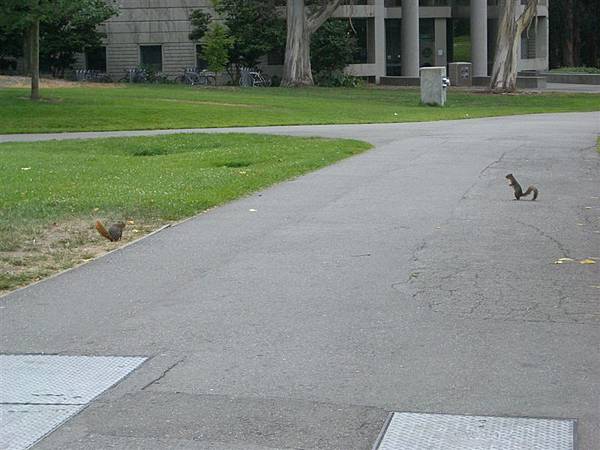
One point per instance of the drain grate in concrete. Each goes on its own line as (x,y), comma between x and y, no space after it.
(445,432)
(40,392)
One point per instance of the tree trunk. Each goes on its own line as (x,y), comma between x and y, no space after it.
(301,25)
(504,73)
(568,47)
(35,60)
(577,34)
(296,67)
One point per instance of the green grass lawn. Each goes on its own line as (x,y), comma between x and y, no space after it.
(153,107)
(52,192)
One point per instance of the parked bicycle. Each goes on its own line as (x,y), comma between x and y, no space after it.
(193,77)
(144,75)
(250,77)
(95,76)
(135,75)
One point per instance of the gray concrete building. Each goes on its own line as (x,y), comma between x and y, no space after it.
(395,37)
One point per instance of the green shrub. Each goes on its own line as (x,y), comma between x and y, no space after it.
(332,48)
(216,43)
(337,78)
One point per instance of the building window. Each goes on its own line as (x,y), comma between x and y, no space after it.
(151,57)
(528,44)
(95,59)
(459,39)
(426,42)
(393,58)
(433,3)
(359,29)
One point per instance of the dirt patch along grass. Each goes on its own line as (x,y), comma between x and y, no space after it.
(52,192)
(13,81)
(132,107)
(38,250)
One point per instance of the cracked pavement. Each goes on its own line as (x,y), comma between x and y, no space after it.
(403,279)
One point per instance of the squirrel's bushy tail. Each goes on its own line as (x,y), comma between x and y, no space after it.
(529,190)
(102,230)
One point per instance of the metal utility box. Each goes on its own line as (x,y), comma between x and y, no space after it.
(460,73)
(433,85)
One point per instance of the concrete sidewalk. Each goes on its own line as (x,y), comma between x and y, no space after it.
(403,279)
(574,88)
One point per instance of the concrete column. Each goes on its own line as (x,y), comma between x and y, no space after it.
(479,38)
(541,42)
(441,58)
(379,20)
(410,38)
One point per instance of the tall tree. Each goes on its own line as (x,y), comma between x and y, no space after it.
(199,20)
(70,32)
(510,29)
(332,48)
(11,46)
(27,15)
(302,21)
(256,28)
(589,32)
(574,33)
(569,36)
(216,44)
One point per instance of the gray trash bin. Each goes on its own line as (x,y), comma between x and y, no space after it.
(460,73)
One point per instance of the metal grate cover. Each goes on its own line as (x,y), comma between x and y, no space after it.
(44,379)
(23,425)
(417,431)
(40,392)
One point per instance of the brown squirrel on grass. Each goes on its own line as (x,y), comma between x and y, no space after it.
(512,181)
(114,232)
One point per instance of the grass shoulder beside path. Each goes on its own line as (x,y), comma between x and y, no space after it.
(52,192)
(135,107)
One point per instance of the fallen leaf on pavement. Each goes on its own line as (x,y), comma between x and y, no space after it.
(563,260)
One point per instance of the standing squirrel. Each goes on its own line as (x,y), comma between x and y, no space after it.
(512,181)
(114,233)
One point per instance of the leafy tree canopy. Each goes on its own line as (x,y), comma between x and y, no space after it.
(216,44)
(332,46)
(199,21)
(256,27)
(20,14)
(66,27)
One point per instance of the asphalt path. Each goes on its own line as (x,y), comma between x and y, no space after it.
(402,279)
